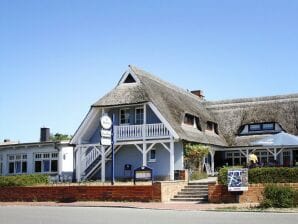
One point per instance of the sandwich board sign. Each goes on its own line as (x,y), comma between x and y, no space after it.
(238,180)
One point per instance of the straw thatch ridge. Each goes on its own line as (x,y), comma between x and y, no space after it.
(171,101)
(232,114)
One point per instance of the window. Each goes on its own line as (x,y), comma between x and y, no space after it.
(125,116)
(17,164)
(129,79)
(211,126)
(192,120)
(139,116)
(189,119)
(261,127)
(152,155)
(46,162)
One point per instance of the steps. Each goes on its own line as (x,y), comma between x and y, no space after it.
(193,192)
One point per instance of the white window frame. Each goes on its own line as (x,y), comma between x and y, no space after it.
(152,160)
(129,119)
(46,156)
(139,108)
(22,158)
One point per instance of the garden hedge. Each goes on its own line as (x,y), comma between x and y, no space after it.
(279,197)
(265,175)
(23,180)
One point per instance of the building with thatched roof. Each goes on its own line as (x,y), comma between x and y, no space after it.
(153,120)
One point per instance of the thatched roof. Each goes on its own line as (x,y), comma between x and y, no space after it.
(232,114)
(171,101)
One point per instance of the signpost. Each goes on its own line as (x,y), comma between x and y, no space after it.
(238,180)
(107,133)
(143,173)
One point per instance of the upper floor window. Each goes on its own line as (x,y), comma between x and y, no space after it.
(261,127)
(189,119)
(129,79)
(192,120)
(212,126)
(139,118)
(125,116)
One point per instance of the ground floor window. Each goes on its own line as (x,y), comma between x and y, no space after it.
(46,162)
(152,155)
(17,163)
(235,158)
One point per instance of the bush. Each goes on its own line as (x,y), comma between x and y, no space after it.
(279,197)
(265,175)
(23,180)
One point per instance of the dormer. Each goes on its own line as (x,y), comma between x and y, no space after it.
(260,128)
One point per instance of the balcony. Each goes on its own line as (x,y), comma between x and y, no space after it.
(137,132)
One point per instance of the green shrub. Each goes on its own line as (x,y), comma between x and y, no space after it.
(23,180)
(197,175)
(265,175)
(278,197)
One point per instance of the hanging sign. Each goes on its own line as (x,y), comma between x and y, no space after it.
(106,133)
(106,122)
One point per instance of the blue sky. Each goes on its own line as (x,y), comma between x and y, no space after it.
(57,57)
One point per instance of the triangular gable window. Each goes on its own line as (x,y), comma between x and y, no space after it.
(129,79)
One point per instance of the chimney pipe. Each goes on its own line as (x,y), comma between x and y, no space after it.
(198,93)
(44,134)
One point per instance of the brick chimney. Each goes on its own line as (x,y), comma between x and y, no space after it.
(198,93)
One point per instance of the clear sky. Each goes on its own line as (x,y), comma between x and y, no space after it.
(57,57)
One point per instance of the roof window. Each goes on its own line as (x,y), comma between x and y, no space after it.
(129,79)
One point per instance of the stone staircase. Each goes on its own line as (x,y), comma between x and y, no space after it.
(193,192)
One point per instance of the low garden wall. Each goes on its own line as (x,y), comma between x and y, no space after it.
(157,192)
(82,193)
(218,193)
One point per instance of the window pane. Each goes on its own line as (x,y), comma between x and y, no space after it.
(37,166)
(139,115)
(189,119)
(153,154)
(54,165)
(268,126)
(24,167)
(18,167)
(254,127)
(209,126)
(46,166)
(125,116)
(11,167)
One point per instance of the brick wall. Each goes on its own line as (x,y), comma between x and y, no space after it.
(218,193)
(82,193)
(170,188)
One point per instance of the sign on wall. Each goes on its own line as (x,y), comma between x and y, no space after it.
(106,133)
(238,180)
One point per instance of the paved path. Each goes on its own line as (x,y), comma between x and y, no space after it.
(100,215)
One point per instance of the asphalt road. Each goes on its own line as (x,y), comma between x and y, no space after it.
(95,215)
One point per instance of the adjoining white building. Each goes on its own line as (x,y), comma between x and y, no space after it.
(44,157)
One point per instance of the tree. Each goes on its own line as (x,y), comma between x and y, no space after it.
(194,154)
(59,137)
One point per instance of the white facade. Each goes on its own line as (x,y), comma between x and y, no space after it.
(36,158)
